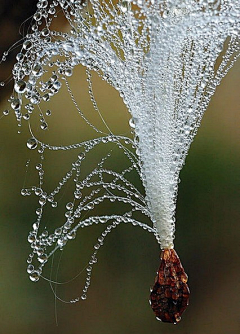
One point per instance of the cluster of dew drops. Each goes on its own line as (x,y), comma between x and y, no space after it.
(29,90)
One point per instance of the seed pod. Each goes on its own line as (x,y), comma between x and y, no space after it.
(170,295)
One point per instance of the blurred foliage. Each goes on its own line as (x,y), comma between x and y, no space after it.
(207,233)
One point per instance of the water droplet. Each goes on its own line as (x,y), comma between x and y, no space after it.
(34,276)
(26,117)
(58,231)
(62,242)
(81,156)
(16,104)
(46,97)
(20,86)
(19,56)
(57,85)
(69,206)
(68,72)
(6,112)
(37,70)
(38,211)
(77,194)
(44,126)
(31,238)
(35,99)
(123,7)
(30,268)
(50,199)
(71,235)
(52,10)
(42,201)
(45,32)
(131,123)
(24,192)
(38,167)
(32,143)
(42,258)
(68,214)
(84,296)
(37,16)
(38,191)
(35,226)
(27,45)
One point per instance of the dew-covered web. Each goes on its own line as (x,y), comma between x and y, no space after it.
(165,59)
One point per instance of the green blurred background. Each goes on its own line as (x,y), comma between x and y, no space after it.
(207,231)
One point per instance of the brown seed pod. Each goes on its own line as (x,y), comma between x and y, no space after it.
(170,294)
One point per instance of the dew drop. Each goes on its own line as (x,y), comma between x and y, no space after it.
(81,156)
(42,258)
(38,211)
(6,112)
(34,277)
(37,70)
(84,297)
(45,32)
(30,268)
(46,97)
(42,201)
(44,126)
(15,104)
(19,56)
(27,45)
(131,123)
(71,235)
(32,143)
(68,72)
(38,191)
(31,238)
(20,86)
(24,192)
(69,206)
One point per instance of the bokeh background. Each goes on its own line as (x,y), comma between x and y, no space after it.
(207,231)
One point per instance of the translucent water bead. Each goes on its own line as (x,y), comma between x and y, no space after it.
(32,143)
(20,86)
